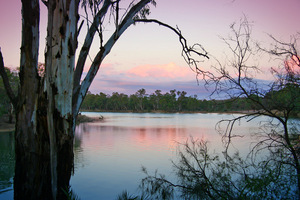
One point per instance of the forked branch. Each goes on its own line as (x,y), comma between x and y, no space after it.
(187,51)
(87,44)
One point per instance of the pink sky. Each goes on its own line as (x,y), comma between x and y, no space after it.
(149,56)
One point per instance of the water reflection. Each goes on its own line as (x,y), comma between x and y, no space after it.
(109,154)
(7,163)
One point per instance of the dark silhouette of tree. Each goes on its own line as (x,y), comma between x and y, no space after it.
(278,100)
(6,106)
(204,175)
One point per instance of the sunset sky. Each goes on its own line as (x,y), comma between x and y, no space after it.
(149,56)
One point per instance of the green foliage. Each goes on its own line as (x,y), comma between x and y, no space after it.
(144,12)
(177,101)
(285,99)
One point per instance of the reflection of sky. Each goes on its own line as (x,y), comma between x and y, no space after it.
(112,151)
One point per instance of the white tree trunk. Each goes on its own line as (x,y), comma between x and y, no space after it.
(60,62)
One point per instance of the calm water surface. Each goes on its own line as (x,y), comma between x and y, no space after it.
(109,154)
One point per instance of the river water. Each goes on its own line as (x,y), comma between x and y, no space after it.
(109,154)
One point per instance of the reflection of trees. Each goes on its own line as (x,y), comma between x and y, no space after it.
(78,157)
(203,174)
(105,135)
(7,160)
(142,131)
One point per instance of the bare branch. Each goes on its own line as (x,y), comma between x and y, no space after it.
(80,26)
(187,51)
(287,49)
(6,83)
(128,20)
(87,44)
(117,16)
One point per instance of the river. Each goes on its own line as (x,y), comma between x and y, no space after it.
(109,154)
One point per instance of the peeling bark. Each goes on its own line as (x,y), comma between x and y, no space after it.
(60,63)
(32,160)
(44,127)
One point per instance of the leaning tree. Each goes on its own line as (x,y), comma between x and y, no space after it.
(47,104)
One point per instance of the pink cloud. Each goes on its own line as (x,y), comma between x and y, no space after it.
(115,78)
(169,71)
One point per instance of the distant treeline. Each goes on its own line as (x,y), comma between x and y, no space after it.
(173,101)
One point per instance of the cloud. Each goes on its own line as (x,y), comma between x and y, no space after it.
(111,78)
(167,71)
(131,86)
(166,77)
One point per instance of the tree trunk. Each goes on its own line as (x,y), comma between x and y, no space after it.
(44,118)
(11,114)
(31,138)
(32,171)
(60,63)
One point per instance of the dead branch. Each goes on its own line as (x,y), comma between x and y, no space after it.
(187,51)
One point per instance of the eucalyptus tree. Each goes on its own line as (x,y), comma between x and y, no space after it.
(181,100)
(141,95)
(47,103)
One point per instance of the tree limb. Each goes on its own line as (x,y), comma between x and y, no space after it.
(87,44)
(45,3)
(187,51)
(127,21)
(80,90)
(5,79)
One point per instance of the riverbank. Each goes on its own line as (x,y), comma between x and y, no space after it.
(83,118)
(278,113)
(5,126)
